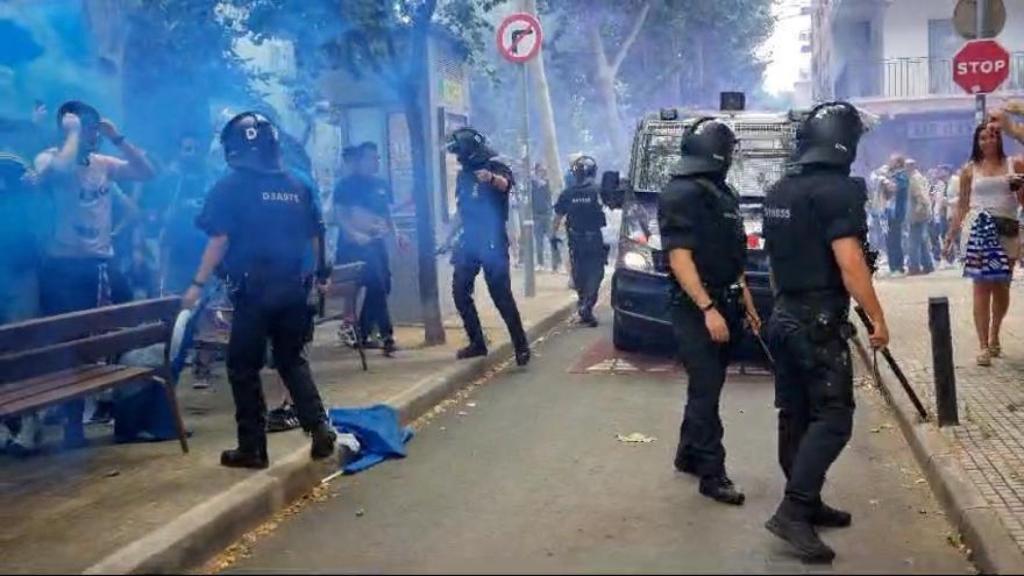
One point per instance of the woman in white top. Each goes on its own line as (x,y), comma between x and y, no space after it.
(987,215)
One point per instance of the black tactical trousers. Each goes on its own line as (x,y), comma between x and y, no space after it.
(468,261)
(284,320)
(701,432)
(813,393)
(377,278)
(587,254)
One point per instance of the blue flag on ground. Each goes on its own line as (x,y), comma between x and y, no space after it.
(379,431)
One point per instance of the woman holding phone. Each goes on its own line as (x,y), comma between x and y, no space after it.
(989,232)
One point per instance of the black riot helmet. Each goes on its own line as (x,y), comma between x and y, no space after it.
(707,148)
(583,169)
(251,142)
(470,147)
(829,135)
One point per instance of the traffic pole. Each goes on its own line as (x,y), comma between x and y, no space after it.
(982,25)
(526,206)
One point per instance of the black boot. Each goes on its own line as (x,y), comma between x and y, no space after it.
(829,517)
(244,459)
(324,439)
(523,356)
(389,348)
(587,318)
(471,351)
(721,489)
(800,534)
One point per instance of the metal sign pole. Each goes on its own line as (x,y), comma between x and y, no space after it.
(979,99)
(526,206)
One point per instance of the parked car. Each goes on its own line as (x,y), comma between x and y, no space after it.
(641,283)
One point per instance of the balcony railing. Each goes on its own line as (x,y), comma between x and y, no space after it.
(912,78)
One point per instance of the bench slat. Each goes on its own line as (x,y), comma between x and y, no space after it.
(352,272)
(23,365)
(55,379)
(50,330)
(74,388)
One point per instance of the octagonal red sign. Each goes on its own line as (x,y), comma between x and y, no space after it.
(981,66)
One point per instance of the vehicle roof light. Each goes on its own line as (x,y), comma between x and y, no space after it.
(669,114)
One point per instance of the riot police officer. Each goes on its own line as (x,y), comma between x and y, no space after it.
(815,226)
(262,222)
(702,233)
(580,206)
(482,197)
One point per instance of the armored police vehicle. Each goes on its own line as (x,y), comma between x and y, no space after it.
(641,284)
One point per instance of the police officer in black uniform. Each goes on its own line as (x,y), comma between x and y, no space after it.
(482,195)
(702,233)
(263,223)
(815,228)
(580,206)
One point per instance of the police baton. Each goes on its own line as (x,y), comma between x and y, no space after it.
(761,342)
(914,399)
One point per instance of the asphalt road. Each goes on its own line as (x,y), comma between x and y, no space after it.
(527,475)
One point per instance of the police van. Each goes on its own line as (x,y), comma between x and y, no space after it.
(641,283)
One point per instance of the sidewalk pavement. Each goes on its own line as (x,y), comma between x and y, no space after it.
(976,468)
(148,508)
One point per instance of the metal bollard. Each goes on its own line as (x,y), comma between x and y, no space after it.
(942,362)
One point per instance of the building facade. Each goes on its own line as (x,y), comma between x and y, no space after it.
(894,58)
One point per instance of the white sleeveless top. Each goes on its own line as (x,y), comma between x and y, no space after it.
(993,195)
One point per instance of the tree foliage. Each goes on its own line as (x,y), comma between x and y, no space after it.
(686,52)
(177,57)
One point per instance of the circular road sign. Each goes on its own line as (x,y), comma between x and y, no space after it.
(981,66)
(965,19)
(520,37)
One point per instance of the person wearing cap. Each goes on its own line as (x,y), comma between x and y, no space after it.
(702,234)
(21,244)
(76,274)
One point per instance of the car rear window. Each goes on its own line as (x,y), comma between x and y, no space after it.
(760,158)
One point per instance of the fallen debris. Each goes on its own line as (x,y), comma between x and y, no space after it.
(635,438)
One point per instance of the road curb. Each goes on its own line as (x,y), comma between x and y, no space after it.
(206,529)
(993,551)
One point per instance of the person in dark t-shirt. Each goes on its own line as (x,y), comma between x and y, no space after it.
(362,203)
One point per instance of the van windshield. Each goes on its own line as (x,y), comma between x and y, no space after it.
(760,158)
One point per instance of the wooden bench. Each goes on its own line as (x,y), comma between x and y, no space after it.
(49,361)
(342,302)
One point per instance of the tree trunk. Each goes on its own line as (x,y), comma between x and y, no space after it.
(606,91)
(542,93)
(608,71)
(415,89)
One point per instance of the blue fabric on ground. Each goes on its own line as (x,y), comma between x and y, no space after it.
(379,431)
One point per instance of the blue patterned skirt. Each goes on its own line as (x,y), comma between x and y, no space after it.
(984,257)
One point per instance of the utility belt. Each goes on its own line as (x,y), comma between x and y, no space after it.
(823,313)
(579,238)
(268,287)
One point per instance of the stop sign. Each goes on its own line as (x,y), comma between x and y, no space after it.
(981,66)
